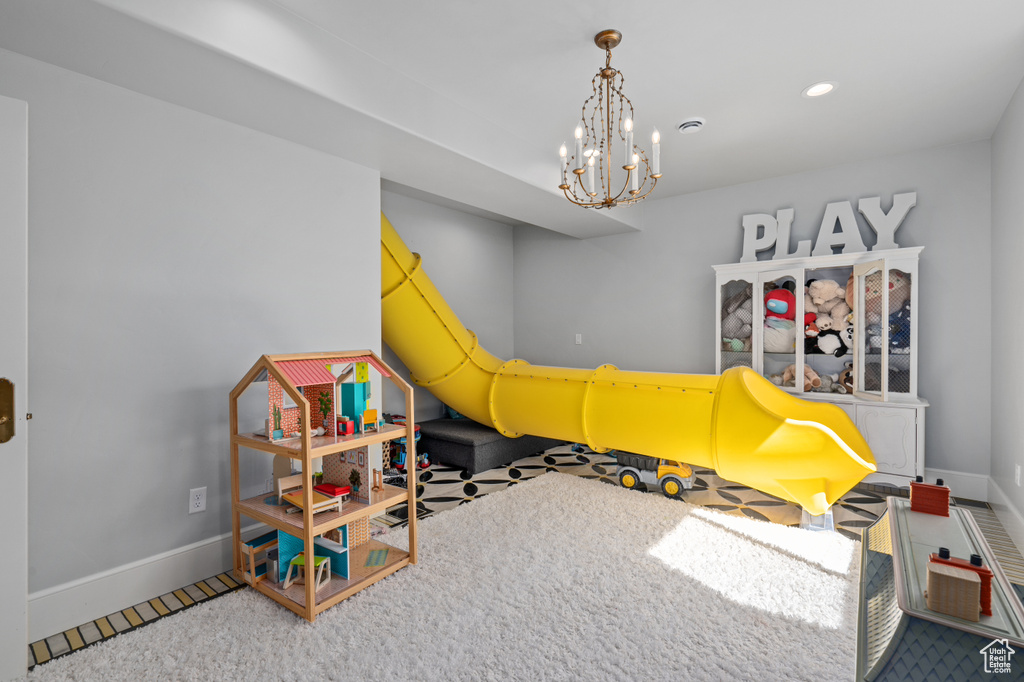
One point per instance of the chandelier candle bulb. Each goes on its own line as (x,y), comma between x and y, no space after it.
(562,152)
(656,153)
(579,148)
(634,184)
(590,175)
(628,125)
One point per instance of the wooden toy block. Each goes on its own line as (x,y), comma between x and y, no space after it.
(953,591)
(929,499)
(984,574)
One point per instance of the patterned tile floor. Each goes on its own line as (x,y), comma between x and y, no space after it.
(441,488)
(129,619)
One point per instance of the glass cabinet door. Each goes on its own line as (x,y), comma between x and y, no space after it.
(884,332)
(781,326)
(736,320)
(898,342)
(871,310)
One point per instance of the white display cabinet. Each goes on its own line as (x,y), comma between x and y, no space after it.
(859,353)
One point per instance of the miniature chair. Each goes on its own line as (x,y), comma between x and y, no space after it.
(370,420)
(286,483)
(321,564)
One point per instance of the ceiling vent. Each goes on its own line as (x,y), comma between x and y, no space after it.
(691,125)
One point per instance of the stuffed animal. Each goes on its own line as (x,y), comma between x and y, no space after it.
(899,329)
(829,299)
(829,384)
(899,293)
(780,303)
(811,378)
(811,332)
(810,310)
(846,334)
(737,315)
(874,336)
(830,342)
(779,335)
(846,378)
(779,321)
(736,345)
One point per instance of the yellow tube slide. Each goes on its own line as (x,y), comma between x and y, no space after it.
(738,424)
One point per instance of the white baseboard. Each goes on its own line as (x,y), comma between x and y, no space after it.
(62,607)
(969,486)
(1008,515)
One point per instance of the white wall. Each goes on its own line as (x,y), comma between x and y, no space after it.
(167,251)
(1007,256)
(469,260)
(646,301)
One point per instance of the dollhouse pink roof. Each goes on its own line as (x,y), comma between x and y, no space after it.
(312,372)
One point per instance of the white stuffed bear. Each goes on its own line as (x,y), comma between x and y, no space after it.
(829,300)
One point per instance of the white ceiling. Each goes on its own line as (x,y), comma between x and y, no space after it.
(469,100)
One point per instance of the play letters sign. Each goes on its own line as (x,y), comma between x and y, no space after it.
(762,231)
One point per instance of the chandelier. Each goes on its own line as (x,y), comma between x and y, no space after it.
(607,113)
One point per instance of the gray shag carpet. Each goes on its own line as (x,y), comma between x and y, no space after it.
(555,578)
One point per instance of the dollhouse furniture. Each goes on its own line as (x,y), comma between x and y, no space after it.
(349,568)
(369,420)
(254,571)
(321,564)
(895,624)
(474,447)
(289,489)
(882,398)
(321,502)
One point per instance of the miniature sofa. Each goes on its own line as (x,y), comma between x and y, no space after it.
(474,447)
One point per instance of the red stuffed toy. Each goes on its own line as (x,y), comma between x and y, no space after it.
(780,303)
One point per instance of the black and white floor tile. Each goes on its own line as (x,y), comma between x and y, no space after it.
(441,487)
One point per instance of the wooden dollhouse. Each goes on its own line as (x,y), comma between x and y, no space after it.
(302,424)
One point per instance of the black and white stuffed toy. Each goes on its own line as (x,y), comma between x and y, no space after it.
(830,342)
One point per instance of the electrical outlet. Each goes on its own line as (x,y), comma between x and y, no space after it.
(197,500)
(1018,475)
(579,339)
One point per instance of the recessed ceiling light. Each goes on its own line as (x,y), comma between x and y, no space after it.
(819,89)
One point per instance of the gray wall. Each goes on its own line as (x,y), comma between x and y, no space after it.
(469,259)
(646,301)
(167,251)
(1007,256)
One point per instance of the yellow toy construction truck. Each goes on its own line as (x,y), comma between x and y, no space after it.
(637,470)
